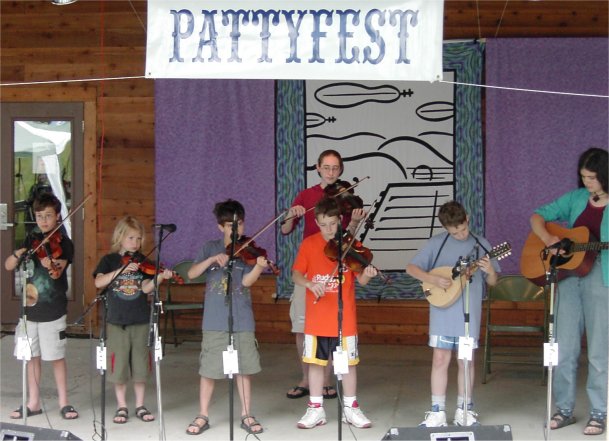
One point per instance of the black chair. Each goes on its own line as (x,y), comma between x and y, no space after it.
(517,289)
(172,307)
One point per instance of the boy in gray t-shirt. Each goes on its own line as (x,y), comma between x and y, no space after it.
(447,324)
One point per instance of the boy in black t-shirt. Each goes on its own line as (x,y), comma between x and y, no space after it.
(44,330)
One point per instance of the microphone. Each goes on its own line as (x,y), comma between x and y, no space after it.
(169,227)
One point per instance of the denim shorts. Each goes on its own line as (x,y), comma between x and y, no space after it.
(444,342)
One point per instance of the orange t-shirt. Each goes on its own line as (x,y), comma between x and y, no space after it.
(321,318)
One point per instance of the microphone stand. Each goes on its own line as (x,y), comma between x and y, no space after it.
(231,354)
(154,339)
(24,347)
(339,349)
(551,347)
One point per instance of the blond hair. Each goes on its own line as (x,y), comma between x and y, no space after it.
(122,228)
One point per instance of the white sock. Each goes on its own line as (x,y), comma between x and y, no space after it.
(348,401)
(316,400)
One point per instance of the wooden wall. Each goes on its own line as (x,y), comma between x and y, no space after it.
(91,40)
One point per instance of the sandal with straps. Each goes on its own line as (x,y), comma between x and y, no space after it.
(142,412)
(199,428)
(594,426)
(561,420)
(123,414)
(253,423)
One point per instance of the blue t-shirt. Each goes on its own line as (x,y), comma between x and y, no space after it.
(450,322)
(215,314)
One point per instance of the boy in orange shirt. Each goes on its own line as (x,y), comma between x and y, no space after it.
(317,273)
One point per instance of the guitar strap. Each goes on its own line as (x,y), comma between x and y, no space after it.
(433,265)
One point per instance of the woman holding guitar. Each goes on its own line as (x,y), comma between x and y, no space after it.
(582,300)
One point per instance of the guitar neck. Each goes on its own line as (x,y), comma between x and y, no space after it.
(589,246)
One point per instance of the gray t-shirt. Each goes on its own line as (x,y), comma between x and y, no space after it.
(450,322)
(215,314)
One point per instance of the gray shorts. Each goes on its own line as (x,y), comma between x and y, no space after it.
(297,309)
(128,355)
(215,342)
(48,339)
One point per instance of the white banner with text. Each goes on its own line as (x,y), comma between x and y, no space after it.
(268,39)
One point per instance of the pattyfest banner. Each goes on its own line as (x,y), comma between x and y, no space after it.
(306,39)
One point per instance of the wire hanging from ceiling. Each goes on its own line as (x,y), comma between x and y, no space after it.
(501,18)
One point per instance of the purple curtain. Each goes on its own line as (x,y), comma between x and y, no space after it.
(214,141)
(533,139)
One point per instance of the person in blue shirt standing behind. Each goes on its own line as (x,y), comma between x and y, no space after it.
(581,302)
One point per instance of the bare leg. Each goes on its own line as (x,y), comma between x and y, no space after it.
(316,380)
(244,386)
(461,377)
(60,370)
(33,383)
(350,382)
(304,380)
(120,390)
(439,371)
(206,390)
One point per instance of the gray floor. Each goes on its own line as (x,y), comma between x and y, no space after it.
(393,391)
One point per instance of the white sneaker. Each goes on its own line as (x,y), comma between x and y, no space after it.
(472,418)
(315,416)
(355,416)
(434,418)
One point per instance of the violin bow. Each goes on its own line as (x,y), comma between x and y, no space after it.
(355,184)
(259,232)
(45,239)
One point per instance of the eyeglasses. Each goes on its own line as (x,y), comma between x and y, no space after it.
(328,168)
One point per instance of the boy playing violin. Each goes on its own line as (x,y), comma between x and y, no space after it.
(128,315)
(47,304)
(213,261)
(316,272)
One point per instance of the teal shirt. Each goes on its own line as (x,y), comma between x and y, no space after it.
(567,208)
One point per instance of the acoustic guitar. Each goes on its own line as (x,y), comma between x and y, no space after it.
(443,298)
(580,252)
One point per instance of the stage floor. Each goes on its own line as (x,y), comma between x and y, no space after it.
(393,391)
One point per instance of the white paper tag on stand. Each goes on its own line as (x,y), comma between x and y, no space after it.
(550,354)
(23,351)
(340,360)
(466,347)
(158,350)
(101,358)
(230,361)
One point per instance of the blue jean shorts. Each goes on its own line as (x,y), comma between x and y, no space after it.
(445,342)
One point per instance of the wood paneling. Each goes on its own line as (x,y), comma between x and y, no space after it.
(90,40)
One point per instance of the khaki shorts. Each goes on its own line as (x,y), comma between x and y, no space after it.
(297,309)
(128,353)
(215,342)
(48,339)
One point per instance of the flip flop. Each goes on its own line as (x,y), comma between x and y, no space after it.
(29,412)
(329,395)
(200,429)
(299,392)
(65,410)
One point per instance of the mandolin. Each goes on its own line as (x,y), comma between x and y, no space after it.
(443,298)
(577,260)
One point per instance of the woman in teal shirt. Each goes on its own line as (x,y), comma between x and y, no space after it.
(581,302)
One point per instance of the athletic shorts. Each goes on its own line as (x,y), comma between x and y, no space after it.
(128,355)
(297,309)
(48,339)
(215,342)
(444,342)
(318,350)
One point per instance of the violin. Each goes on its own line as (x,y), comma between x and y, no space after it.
(148,267)
(343,192)
(248,251)
(355,255)
(50,246)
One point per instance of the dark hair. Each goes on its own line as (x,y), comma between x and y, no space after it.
(452,214)
(327,206)
(594,160)
(46,200)
(334,153)
(225,211)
